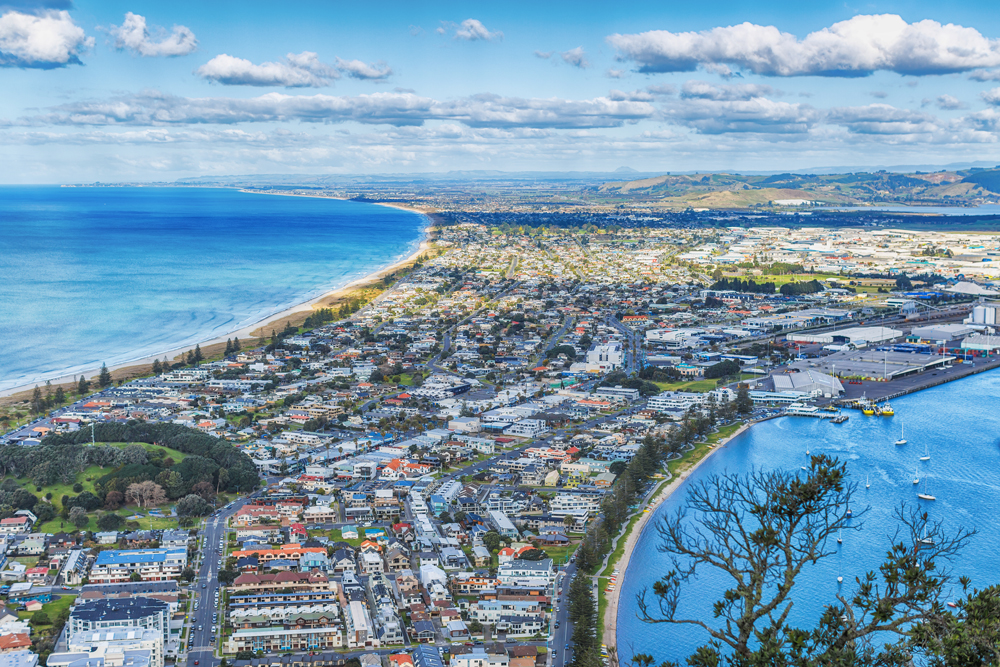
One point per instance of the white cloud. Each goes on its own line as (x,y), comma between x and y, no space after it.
(991,97)
(883,119)
(472,30)
(707,91)
(756,115)
(613,73)
(544,55)
(985,75)
(302,70)
(133,35)
(360,70)
(949,103)
(41,41)
(855,47)
(481,111)
(576,57)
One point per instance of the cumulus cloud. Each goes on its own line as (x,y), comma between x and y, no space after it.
(991,97)
(544,55)
(302,70)
(41,41)
(882,119)
(635,95)
(613,73)
(985,75)
(133,35)
(153,108)
(756,115)
(576,57)
(359,70)
(470,30)
(855,47)
(946,103)
(707,91)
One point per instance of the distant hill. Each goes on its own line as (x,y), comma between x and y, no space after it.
(725,190)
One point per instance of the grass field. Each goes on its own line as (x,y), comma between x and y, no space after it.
(687,385)
(560,555)
(701,450)
(51,609)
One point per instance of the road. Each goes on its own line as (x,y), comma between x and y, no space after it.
(204,588)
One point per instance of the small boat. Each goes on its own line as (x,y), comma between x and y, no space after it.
(868,410)
(925,495)
(902,440)
(887,410)
(952,605)
(840,537)
(840,580)
(927,454)
(849,513)
(916,476)
(925,541)
(868,484)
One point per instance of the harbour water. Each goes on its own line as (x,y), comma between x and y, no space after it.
(92,275)
(958,422)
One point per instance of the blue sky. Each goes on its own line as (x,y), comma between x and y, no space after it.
(157,91)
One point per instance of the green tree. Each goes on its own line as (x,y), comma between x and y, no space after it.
(104,377)
(757,532)
(37,402)
(491,541)
(40,618)
(198,356)
(78,517)
(227,576)
(157,368)
(82,387)
(60,395)
(188,574)
(110,522)
(744,404)
(969,636)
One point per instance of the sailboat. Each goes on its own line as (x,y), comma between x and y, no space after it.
(924,540)
(840,536)
(925,495)
(902,440)
(927,454)
(916,476)
(868,484)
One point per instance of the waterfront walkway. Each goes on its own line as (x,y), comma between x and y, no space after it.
(610,619)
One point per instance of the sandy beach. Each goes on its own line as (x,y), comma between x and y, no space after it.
(611,612)
(251,333)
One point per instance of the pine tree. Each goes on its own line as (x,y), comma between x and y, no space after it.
(198,356)
(104,378)
(229,347)
(190,358)
(60,396)
(37,402)
(157,369)
(236,344)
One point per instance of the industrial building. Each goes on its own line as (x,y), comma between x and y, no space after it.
(874,363)
(807,382)
(934,333)
(857,336)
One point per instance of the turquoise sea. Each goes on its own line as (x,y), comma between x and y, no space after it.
(958,423)
(92,275)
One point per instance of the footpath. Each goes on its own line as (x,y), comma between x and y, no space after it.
(634,533)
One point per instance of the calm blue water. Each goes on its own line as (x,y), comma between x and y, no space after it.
(985,209)
(91,275)
(958,421)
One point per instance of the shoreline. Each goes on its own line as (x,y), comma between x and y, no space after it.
(248,333)
(610,620)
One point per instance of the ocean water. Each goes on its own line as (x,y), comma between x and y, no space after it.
(958,422)
(92,275)
(983,209)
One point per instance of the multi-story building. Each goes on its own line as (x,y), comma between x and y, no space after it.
(109,645)
(117,614)
(118,565)
(360,633)
(282,639)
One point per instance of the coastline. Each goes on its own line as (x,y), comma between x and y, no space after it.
(610,620)
(249,334)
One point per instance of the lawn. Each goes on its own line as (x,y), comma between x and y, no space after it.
(688,385)
(335,534)
(701,449)
(51,609)
(157,523)
(560,555)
